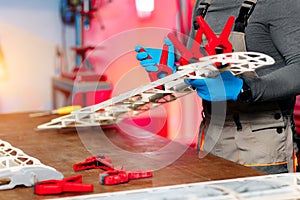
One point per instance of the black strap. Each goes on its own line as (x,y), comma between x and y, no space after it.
(201,10)
(244,14)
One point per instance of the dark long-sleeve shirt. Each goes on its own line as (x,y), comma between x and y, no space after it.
(273,29)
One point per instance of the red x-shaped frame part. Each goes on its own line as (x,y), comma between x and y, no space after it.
(189,55)
(213,42)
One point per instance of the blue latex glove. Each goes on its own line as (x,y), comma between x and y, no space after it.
(221,88)
(150,64)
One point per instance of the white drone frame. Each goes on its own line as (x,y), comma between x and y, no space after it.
(18,168)
(148,96)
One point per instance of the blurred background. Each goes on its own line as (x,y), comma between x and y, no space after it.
(43,44)
(32,30)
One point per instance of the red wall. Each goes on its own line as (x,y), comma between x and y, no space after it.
(123,30)
(115,57)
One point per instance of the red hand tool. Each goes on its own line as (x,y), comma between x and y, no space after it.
(71,184)
(94,162)
(121,176)
(163,69)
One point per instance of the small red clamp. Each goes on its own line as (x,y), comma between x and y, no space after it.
(71,184)
(94,162)
(114,177)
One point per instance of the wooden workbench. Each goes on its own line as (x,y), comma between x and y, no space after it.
(173,163)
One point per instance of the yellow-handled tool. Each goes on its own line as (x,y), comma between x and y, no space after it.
(60,111)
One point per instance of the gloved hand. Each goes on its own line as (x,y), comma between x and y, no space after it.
(151,57)
(221,88)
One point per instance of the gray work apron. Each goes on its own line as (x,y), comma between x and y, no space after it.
(255,135)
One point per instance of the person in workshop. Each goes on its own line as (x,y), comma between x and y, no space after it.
(258,128)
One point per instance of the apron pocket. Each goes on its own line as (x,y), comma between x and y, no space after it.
(266,120)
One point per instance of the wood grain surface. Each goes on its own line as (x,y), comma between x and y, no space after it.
(128,146)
